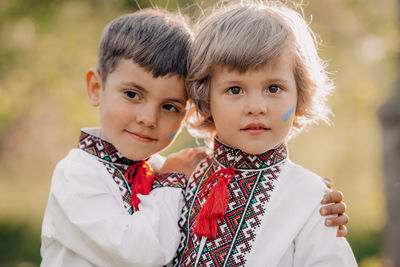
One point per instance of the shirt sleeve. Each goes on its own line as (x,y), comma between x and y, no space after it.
(86,215)
(317,245)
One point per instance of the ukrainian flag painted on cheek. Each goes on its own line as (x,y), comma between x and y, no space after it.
(288,116)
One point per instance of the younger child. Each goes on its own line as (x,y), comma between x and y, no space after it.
(100,211)
(256,79)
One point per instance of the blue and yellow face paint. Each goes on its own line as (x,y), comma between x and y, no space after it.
(172,135)
(288,116)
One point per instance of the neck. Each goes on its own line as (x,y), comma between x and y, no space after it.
(238,159)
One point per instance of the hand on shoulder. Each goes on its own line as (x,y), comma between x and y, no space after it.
(336,207)
(184,161)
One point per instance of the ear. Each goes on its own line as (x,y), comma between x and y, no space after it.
(93,86)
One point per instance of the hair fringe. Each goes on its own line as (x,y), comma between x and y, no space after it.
(314,81)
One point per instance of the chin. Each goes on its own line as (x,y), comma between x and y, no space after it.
(257,148)
(134,156)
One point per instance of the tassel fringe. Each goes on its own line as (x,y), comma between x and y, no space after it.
(214,208)
(141,175)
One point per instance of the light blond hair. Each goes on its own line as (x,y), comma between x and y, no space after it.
(248,36)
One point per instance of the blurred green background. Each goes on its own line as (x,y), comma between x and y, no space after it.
(46,47)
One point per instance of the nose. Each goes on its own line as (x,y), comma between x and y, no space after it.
(147,116)
(256,105)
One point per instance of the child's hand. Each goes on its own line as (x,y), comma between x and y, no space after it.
(184,161)
(338,207)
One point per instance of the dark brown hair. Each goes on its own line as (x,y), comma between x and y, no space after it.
(157,40)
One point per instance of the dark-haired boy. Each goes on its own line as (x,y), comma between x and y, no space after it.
(93,216)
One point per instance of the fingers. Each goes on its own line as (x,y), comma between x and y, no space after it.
(185,151)
(198,150)
(201,155)
(328,182)
(155,169)
(332,197)
(195,154)
(342,231)
(333,209)
(337,221)
(184,161)
(191,151)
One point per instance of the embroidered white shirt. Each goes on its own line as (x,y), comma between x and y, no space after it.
(272,217)
(86,224)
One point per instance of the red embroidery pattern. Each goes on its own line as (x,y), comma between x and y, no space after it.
(175,179)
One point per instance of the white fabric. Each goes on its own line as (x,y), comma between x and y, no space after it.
(293,232)
(157,161)
(85,223)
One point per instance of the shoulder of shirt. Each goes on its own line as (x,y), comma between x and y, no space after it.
(200,169)
(79,163)
(304,179)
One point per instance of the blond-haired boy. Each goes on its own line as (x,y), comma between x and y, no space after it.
(256,79)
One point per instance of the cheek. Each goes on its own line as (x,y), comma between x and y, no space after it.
(225,126)
(222,112)
(221,121)
(172,135)
(288,116)
(119,115)
(170,128)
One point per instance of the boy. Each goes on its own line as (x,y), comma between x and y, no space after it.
(98,213)
(256,79)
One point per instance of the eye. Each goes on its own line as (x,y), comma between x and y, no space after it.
(132,94)
(235,90)
(170,108)
(273,89)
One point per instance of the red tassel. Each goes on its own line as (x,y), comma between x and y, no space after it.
(141,175)
(220,199)
(214,208)
(206,226)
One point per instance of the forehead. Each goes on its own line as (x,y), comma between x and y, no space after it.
(282,64)
(130,74)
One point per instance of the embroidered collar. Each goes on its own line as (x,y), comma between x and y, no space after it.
(105,151)
(237,159)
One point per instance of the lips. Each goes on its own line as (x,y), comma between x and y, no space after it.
(255,128)
(141,137)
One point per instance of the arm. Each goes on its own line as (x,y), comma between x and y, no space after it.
(336,207)
(184,161)
(87,217)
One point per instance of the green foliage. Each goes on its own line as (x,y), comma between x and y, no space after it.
(19,244)
(365,243)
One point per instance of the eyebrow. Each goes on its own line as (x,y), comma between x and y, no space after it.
(227,82)
(278,81)
(132,84)
(179,101)
(274,80)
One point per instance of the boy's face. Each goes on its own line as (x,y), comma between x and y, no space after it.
(253,111)
(140,115)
